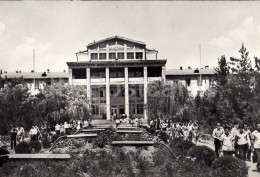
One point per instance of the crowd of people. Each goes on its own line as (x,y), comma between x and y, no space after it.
(187,131)
(238,141)
(48,131)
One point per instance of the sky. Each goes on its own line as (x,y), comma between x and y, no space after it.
(57,30)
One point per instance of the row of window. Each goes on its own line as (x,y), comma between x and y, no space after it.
(133,109)
(80,73)
(120,55)
(118,91)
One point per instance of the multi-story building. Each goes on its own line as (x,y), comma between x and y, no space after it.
(116,72)
(197,81)
(37,80)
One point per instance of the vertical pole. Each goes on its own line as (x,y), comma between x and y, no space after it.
(200,70)
(34,72)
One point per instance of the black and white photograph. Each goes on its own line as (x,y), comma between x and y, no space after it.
(129,88)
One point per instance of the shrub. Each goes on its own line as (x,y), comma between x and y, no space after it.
(230,166)
(36,145)
(46,144)
(184,145)
(3,152)
(23,148)
(163,136)
(104,138)
(202,154)
(174,141)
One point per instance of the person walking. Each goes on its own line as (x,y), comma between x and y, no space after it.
(249,150)
(217,133)
(13,133)
(256,140)
(234,132)
(242,142)
(227,143)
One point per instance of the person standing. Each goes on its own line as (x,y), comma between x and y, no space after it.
(20,134)
(256,140)
(57,129)
(234,132)
(217,133)
(33,133)
(13,133)
(243,143)
(249,150)
(227,143)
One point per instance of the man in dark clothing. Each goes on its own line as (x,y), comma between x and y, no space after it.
(13,133)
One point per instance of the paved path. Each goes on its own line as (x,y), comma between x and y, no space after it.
(252,172)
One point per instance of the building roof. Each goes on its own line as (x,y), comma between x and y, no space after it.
(38,75)
(208,71)
(116,63)
(115,37)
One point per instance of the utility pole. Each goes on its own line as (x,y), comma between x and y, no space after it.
(34,72)
(200,69)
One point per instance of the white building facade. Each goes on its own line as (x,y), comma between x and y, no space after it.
(116,72)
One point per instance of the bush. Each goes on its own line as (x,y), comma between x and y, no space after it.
(174,141)
(46,144)
(230,166)
(23,148)
(163,136)
(3,152)
(36,145)
(104,138)
(202,154)
(184,145)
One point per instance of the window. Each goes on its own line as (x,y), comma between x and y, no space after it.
(130,55)
(139,55)
(102,56)
(120,55)
(79,73)
(116,72)
(101,93)
(94,56)
(97,72)
(95,109)
(140,109)
(95,92)
(113,90)
(136,72)
(112,56)
(154,71)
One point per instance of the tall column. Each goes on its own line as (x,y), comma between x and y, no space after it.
(70,77)
(134,53)
(163,74)
(88,84)
(144,55)
(145,93)
(107,51)
(126,93)
(107,94)
(125,51)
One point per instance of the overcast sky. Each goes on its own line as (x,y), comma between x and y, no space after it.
(57,30)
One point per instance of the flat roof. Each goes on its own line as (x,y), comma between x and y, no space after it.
(117,63)
(208,71)
(38,75)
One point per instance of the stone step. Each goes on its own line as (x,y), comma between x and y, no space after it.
(39,156)
(91,130)
(131,128)
(81,135)
(132,143)
(129,131)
